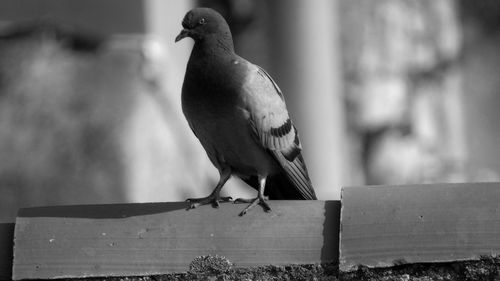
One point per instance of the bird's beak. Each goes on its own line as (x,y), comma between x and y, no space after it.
(184,33)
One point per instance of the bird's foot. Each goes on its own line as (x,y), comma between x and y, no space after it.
(259,200)
(211,199)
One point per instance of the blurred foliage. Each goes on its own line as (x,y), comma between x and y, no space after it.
(400,60)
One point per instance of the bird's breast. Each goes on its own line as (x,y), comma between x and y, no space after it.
(213,101)
(229,140)
(211,94)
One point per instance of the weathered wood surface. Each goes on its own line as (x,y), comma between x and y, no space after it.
(383,226)
(154,238)
(6,243)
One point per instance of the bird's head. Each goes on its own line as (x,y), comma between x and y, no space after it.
(200,23)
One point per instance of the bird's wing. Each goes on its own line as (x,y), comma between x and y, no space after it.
(273,127)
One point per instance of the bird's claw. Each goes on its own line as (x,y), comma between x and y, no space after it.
(253,202)
(214,200)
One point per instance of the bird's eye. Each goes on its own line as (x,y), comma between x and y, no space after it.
(202,21)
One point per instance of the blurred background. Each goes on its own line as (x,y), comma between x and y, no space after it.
(382,92)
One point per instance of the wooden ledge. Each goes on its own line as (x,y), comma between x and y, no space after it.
(384,226)
(155,238)
(381,226)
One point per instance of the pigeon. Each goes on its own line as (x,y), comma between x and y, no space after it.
(238,113)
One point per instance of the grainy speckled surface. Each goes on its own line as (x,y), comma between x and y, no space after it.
(481,270)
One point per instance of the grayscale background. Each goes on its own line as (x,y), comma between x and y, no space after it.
(382,92)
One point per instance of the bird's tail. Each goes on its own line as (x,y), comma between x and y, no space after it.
(285,185)
(295,172)
(280,187)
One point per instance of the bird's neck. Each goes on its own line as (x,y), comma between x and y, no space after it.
(214,45)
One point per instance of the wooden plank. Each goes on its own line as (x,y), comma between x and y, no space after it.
(388,225)
(6,244)
(155,238)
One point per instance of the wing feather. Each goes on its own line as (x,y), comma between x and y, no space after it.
(273,127)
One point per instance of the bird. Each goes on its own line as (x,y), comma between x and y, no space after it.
(239,115)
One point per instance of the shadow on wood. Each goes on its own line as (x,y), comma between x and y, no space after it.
(6,255)
(110,211)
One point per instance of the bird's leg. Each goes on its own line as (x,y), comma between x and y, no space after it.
(214,197)
(260,199)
